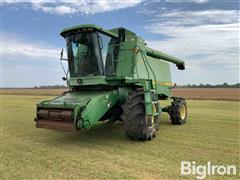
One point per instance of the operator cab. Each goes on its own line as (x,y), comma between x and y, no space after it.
(90,52)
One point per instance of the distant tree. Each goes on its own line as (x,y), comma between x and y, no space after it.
(225,85)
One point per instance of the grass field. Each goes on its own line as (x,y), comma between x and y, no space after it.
(104,152)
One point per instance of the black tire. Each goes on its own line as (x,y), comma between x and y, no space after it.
(178,111)
(134,119)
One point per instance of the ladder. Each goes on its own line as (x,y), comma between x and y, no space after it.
(153,109)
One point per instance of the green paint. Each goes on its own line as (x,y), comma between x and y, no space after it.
(97,107)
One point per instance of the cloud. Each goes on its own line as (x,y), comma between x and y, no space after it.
(63,7)
(14,46)
(193,18)
(180,1)
(208,41)
(202,39)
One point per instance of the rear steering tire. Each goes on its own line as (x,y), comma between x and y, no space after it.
(178,111)
(134,117)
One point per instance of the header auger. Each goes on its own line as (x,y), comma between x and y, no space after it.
(113,75)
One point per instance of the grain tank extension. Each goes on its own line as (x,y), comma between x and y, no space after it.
(113,76)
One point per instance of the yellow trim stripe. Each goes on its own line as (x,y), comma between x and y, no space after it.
(164,83)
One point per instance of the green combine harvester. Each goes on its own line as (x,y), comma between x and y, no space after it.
(112,75)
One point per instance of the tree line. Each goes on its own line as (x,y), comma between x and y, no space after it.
(50,87)
(223,85)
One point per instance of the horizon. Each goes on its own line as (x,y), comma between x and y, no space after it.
(177,85)
(204,33)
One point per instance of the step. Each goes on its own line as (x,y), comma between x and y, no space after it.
(154,114)
(152,102)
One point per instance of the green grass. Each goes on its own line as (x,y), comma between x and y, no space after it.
(104,152)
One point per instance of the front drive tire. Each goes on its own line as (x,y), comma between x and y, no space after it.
(134,117)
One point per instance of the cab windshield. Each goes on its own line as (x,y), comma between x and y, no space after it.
(90,54)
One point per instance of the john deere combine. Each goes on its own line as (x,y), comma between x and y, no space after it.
(112,76)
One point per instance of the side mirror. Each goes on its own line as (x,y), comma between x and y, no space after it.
(64,78)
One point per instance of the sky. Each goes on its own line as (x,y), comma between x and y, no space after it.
(204,33)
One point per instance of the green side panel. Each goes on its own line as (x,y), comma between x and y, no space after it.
(97,107)
(160,68)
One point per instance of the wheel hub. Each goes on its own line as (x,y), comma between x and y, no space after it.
(182,112)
